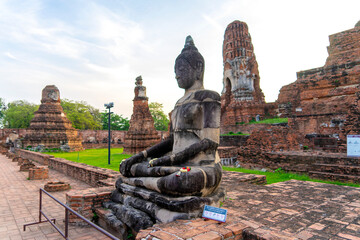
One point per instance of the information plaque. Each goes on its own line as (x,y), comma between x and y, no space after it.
(214,213)
(353,145)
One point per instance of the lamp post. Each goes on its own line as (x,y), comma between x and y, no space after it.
(108,106)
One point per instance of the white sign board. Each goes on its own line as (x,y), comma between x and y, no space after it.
(214,213)
(353,145)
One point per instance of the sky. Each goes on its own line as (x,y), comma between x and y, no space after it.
(93,50)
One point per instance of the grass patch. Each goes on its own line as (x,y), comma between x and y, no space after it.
(95,157)
(235,134)
(282,176)
(270,121)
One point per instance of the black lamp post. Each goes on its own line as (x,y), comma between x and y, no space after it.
(108,106)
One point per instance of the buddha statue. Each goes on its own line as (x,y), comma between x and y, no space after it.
(187,163)
(175,178)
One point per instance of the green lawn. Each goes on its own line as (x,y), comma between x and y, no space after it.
(281,176)
(95,157)
(99,158)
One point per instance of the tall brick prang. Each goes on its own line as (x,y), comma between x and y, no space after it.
(142,133)
(242,98)
(50,126)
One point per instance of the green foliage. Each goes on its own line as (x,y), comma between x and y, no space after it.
(18,114)
(2,109)
(117,122)
(279,175)
(305,147)
(95,157)
(161,120)
(81,115)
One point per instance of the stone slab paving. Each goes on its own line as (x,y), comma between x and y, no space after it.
(19,204)
(288,210)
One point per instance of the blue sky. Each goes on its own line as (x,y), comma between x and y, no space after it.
(94,50)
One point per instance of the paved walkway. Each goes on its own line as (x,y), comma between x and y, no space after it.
(19,204)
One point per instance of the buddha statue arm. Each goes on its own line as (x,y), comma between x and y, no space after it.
(186,154)
(155,151)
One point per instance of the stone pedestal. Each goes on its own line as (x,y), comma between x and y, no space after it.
(39,173)
(50,127)
(142,133)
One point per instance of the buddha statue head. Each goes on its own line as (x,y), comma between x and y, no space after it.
(189,66)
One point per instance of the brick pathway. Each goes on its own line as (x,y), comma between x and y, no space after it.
(19,204)
(287,210)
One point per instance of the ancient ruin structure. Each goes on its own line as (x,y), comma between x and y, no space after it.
(241,99)
(50,127)
(175,178)
(142,133)
(320,100)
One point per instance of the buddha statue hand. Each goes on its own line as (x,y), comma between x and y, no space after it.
(126,164)
(162,161)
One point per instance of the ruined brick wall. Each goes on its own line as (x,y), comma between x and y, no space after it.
(233,140)
(320,99)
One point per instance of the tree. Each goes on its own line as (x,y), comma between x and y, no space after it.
(81,115)
(117,122)
(2,109)
(19,114)
(161,120)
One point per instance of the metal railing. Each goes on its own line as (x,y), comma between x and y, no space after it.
(67,209)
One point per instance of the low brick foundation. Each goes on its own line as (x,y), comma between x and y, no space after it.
(38,173)
(56,186)
(80,171)
(85,201)
(25,167)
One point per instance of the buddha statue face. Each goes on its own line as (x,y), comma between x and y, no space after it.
(189,66)
(185,74)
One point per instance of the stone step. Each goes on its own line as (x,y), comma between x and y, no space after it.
(355,161)
(108,221)
(337,168)
(334,177)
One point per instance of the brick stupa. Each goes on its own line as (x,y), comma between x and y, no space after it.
(142,133)
(241,98)
(50,126)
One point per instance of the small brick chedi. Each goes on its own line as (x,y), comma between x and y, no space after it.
(142,133)
(50,127)
(321,99)
(241,97)
(175,178)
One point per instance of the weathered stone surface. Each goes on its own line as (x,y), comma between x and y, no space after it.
(50,126)
(142,133)
(242,98)
(320,99)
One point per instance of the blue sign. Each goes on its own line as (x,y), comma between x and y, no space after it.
(214,213)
